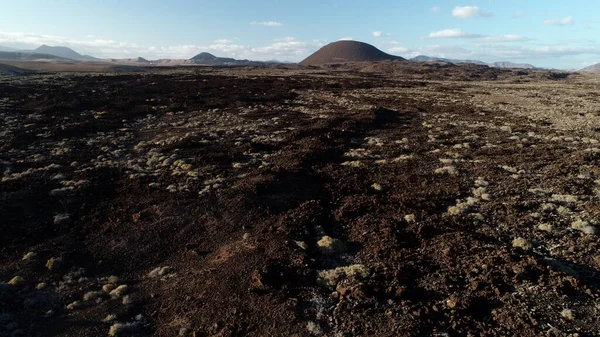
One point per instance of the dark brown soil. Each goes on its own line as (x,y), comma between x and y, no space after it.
(233,180)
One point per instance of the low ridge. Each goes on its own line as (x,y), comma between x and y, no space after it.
(348,51)
(592,69)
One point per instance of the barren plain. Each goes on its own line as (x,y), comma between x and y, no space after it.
(387,199)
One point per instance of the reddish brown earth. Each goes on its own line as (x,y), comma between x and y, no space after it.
(233,180)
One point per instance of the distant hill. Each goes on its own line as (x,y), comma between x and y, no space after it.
(136,60)
(592,69)
(28,56)
(208,59)
(424,58)
(64,52)
(512,65)
(348,51)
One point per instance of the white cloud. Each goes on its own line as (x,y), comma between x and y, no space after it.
(452,33)
(506,38)
(559,22)
(518,14)
(468,12)
(223,41)
(377,34)
(389,43)
(287,48)
(457,33)
(398,50)
(288,39)
(436,9)
(267,23)
(347,38)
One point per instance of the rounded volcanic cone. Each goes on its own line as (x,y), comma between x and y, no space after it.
(348,51)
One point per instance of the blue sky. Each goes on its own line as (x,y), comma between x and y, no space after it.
(550,33)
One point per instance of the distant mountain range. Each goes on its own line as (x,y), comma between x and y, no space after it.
(423,58)
(65,54)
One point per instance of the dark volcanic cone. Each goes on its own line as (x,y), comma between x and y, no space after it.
(348,51)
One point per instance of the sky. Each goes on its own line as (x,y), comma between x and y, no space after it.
(546,33)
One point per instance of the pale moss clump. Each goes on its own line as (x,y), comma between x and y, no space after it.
(314,328)
(119,291)
(74,305)
(355,163)
(128,300)
(358,153)
(92,295)
(568,314)
(522,243)
(331,277)
(403,157)
(109,318)
(449,170)
(480,182)
(546,227)
(462,206)
(328,245)
(54,263)
(509,169)
(410,218)
(162,271)
(564,198)
(60,219)
(120,329)
(564,211)
(29,256)
(302,245)
(107,288)
(548,207)
(16,281)
(583,226)
(377,187)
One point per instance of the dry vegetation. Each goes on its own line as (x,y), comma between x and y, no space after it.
(378,200)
